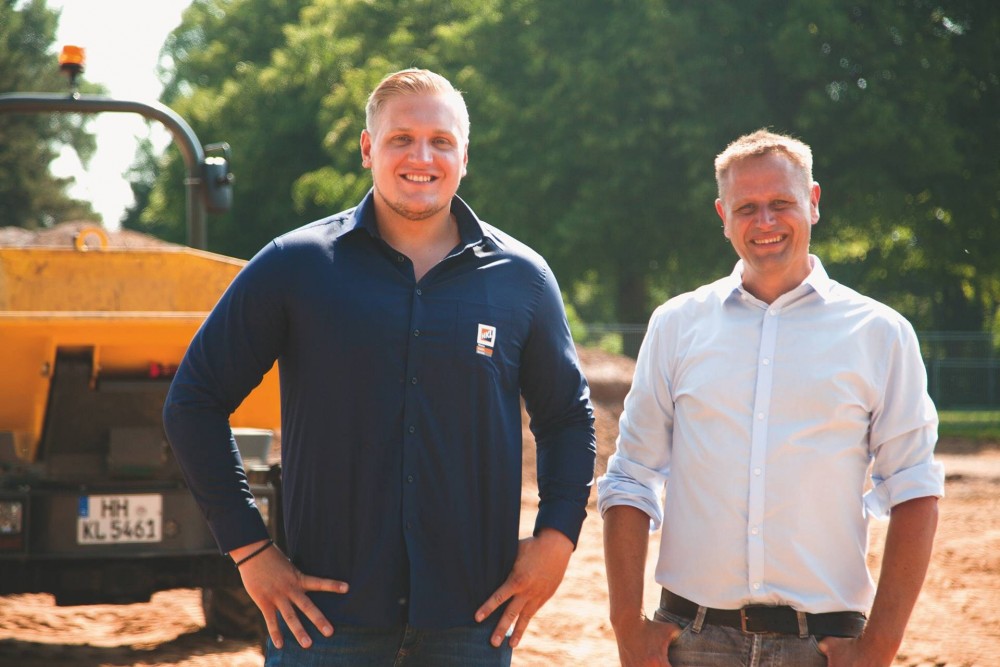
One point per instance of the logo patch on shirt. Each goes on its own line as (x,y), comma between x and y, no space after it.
(486,339)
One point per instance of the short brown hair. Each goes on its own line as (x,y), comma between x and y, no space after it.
(764,142)
(414,82)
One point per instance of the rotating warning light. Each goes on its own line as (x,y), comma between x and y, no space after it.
(71,61)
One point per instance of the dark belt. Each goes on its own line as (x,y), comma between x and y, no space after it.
(756,619)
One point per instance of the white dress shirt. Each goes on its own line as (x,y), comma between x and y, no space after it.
(778,430)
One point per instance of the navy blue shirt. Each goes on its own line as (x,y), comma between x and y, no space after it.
(400,411)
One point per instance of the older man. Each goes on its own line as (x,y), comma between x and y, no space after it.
(761,400)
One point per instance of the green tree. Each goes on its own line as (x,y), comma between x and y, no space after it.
(292,107)
(906,132)
(142,176)
(608,116)
(29,195)
(595,123)
(216,57)
(584,154)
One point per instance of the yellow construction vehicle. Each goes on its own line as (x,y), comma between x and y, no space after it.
(93,507)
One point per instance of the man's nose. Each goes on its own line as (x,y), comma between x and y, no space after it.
(766,217)
(420,151)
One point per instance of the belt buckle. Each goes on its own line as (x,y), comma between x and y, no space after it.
(747,623)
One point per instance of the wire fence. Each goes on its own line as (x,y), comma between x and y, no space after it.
(963,368)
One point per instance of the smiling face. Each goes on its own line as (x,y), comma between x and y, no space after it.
(418,153)
(768,208)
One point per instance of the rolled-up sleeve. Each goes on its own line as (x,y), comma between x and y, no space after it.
(926,479)
(903,432)
(639,468)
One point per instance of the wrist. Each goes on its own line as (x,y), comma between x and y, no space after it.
(879,648)
(624,623)
(556,538)
(240,553)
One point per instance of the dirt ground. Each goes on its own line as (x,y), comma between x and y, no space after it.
(956,623)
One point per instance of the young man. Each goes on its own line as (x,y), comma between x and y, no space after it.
(760,400)
(406,331)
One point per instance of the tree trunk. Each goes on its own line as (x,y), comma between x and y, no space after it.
(632,306)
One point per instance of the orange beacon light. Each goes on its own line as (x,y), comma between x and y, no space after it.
(71,61)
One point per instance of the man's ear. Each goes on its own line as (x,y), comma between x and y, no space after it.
(366,149)
(721,211)
(814,194)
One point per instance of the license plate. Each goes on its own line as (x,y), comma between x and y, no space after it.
(121,519)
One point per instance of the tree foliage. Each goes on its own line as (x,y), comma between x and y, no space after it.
(913,90)
(29,195)
(595,123)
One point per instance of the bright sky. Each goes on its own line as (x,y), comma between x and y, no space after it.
(122,39)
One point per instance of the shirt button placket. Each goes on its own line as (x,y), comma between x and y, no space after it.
(411,437)
(758,450)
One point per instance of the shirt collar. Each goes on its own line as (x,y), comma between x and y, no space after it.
(818,280)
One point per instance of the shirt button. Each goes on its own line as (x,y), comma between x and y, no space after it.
(754,530)
(407,525)
(773,311)
(756,471)
(399,259)
(756,585)
(419,291)
(416,333)
(413,380)
(760,415)
(765,361)
(409,478)
(412,429)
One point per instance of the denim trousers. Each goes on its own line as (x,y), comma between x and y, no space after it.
(402,646)
(704,645)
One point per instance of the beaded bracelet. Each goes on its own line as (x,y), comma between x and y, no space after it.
(257,552)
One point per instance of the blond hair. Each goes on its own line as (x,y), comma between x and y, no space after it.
(764,142)
(414,82)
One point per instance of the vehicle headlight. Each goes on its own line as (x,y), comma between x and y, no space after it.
(11,517)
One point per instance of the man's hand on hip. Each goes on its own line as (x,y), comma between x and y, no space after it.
(277,587)
(847,652)
(645,643)
(539,569)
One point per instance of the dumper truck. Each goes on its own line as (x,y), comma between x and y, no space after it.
(93,507)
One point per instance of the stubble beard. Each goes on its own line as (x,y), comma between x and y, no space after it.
(404,210)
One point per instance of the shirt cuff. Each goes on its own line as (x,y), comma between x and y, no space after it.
(232,532)
(564,516)
(617,491)
(926,479)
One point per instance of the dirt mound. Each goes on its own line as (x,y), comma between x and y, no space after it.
(65,234)
(609,376)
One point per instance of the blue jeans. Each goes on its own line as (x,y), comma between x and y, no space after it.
(402,646)
(720,646)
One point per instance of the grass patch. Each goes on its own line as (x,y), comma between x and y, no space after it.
(979,425)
